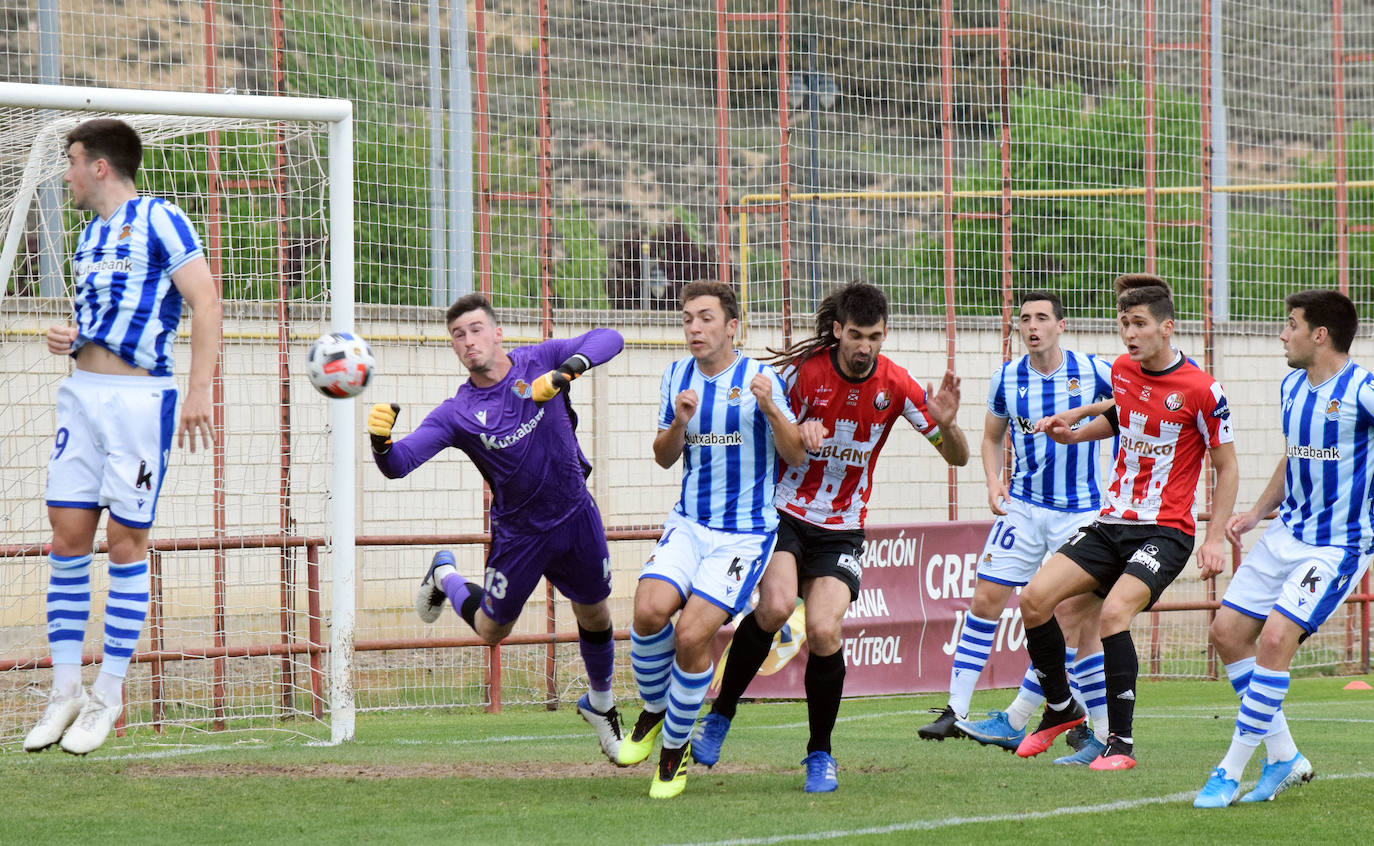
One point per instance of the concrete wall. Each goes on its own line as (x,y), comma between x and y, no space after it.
(416,368)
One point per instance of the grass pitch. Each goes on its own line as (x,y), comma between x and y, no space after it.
(532,776)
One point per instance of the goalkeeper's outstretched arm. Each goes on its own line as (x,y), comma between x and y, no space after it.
(585,351)
(398,459)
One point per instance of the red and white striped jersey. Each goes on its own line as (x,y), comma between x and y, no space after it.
(1168,422)
(831,489)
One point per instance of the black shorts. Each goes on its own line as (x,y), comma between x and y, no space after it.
(821,552)
(1153,554)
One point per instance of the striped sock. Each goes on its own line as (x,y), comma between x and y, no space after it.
(1070,656)
(125,611)
(651,657)
(1262,700)
(1092,683)
(1278,743)
(685,694)
(69,609)
(1029,699)
(970,657)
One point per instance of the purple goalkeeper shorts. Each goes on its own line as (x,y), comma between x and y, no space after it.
(572,556)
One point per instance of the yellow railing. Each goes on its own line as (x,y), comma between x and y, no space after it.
(749,200)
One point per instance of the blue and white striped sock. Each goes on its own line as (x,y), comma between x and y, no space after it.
(1262,700)
(69,609)
(970,657)
(651,658)
(1029,699)
(125,612)
(685,695)
(1091,676)
(1279,741)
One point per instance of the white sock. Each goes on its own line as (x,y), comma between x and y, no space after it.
(601,700)
(1029,699)
(110,688)
(66,679)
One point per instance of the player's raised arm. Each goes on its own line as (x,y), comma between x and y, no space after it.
(1069,417)
(583,352)
(943,407)
(399,458)
(669,442)
(1060,427)
(767,390)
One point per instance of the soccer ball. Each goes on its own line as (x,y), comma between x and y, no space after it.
(340,365)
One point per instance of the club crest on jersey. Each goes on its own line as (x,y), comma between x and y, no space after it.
(1174,401)
(126,232)
(1073,386)
(523,389)
(735,396)
(1333,409)
(882,401)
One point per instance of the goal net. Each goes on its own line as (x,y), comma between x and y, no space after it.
(245,596)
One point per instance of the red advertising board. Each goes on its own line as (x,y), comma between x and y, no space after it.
(899,635)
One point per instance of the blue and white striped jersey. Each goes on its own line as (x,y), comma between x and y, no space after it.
(729,464)
(1326,429)
(124,299)
(1048,474)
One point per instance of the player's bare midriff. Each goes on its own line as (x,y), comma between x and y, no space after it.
(94,358)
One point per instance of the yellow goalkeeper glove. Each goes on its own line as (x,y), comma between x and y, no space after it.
(546,387)
(380,418)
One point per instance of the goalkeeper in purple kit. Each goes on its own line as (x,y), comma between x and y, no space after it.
(513,419)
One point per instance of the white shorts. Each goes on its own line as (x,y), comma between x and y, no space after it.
(114,434)
(1302,582)
(1021,540)
(720,567)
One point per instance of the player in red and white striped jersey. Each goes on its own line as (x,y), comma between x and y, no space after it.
(848,398)
(1169,415)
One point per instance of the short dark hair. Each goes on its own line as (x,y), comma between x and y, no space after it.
(1147,289)
(719,290)
(1047,296)
(1332,309)
(467,303)
(859,303)
(110,139)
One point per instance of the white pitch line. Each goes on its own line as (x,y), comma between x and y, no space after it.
(930,825)
(169,753)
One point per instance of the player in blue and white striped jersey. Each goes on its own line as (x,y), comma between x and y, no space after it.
(727,416)
(138,259)
(1310,558)
(1054,489)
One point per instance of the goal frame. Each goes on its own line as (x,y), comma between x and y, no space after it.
(337,114)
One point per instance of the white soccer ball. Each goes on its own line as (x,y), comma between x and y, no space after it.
(340,365)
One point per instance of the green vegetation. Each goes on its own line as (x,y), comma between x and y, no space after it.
(532,776)
(1088,152)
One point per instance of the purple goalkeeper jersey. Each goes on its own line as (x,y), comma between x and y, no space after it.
(528,453)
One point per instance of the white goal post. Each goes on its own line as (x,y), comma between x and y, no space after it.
(338,116)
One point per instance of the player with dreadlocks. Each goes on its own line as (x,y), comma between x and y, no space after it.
(846,397)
